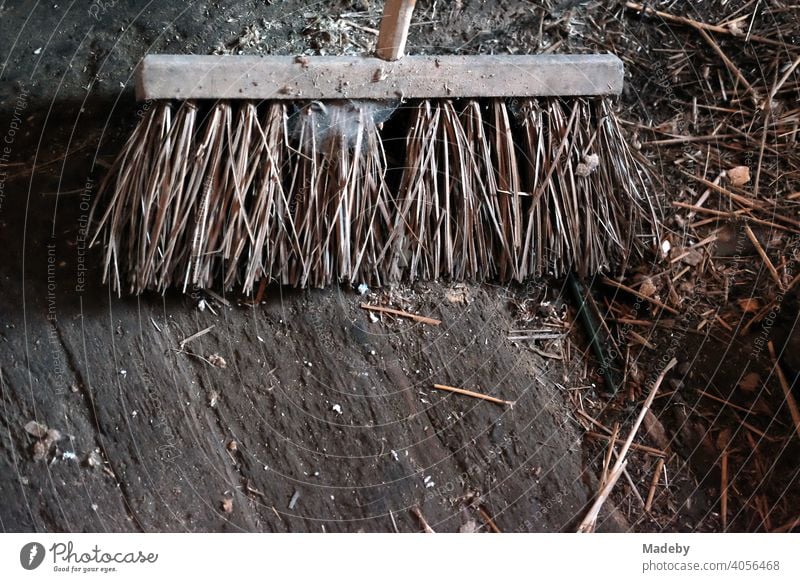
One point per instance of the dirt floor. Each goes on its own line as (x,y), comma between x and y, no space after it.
(304,412)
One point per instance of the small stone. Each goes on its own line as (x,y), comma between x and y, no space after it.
(227,505)
(692,258)
(217,361)
(589,165)
(592,160)
(458,295)
(337,408)
(93,460)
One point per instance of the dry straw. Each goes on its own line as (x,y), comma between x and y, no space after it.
(231,193)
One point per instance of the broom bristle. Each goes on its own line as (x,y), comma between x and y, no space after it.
(489,190)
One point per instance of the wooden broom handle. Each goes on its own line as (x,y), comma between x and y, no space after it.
(394,29)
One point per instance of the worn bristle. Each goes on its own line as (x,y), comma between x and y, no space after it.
(237,192)
(340,200)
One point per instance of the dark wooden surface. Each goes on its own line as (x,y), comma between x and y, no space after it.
(107,375)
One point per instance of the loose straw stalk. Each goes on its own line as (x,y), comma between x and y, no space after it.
(473,394)
(724,487)
(588,523)
(653,485)
(418,514)
(787,391)
(398,313)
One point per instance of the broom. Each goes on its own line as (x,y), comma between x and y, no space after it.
(293,170)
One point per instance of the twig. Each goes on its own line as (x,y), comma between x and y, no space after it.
(588,522)
(655,302)
(723,502)
(729,64)
(780,83)
(792,283)
(418,514)
(788,526)
(397,312)
(787,390)
(536,335)
(641,340)
(473,394)
(194,336)
(198,356)
(609,454)
(726,402)
(699,25)
(756,430)
(487,518)
(717,188)
(772,271)
(217,297)
(635,446)
(587,525)
(359,27)
(653,484)
(761,147)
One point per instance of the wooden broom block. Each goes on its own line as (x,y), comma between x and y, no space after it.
(354,77)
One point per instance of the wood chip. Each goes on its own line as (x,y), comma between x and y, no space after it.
(36,429)
(750,382)
(738,176)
